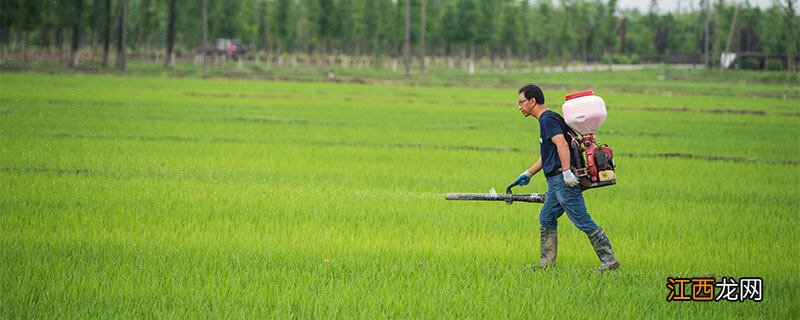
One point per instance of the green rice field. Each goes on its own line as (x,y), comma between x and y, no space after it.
(181,197)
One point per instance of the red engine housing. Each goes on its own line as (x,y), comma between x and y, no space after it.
(589,175)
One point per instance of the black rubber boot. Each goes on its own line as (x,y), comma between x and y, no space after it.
(602,247)
(549,239)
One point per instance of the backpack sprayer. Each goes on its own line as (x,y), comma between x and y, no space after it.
(592,163)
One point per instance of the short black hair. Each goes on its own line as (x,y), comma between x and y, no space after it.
(533,91)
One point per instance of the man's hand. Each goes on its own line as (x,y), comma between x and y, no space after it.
(569,178)
(523,179)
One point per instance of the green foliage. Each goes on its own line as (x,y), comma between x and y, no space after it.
(620,59)
(749,63)
(552,31)
(774,65)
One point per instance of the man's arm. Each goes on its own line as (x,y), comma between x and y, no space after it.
(536,167)
(563,151)
(526,175)
(563,154)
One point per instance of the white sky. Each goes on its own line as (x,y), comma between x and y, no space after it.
(684,5)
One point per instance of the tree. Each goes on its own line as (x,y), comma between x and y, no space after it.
(23,17)
(344,26)
(204,44)
(793,40)
(511,29)
(661,34)
(106,32)
(325,27)
(623,28)
(552,30)
(282,24)
(145,26)
(462,25)
(170,34)
(122,26)
(407,42)
(706,32)
(422,38)
(76,33)
(263,29)
(611,24)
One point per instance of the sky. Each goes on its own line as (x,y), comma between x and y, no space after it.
(684,5)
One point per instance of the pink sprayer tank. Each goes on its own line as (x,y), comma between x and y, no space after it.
(584,111)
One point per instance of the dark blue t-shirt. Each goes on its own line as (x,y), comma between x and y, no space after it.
(550,124)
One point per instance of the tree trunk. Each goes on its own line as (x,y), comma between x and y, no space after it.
(121,33)
(707,34)
(422,39)
(25,46)
(717,45)
(791,46)
(170,34)
(407,42)
(60,42)
(507,60)
(46,38)
(257,24)
(322,53)
(623,26)
(107,33)
(92,45)
(268,48)
(76,35)
(204,45)
(267,39)
(472,58)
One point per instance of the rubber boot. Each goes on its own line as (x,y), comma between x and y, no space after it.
(602,247)
(549,238)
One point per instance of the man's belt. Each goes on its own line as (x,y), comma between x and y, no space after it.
(553,173)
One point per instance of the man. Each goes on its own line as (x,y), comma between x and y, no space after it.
(563,191)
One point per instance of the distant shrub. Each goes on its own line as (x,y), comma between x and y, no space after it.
(749,64)
(774,65)
(619,59)
(606,58)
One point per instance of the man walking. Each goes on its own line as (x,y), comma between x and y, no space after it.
(563,191)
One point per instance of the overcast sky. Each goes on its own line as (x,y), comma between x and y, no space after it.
(683,5)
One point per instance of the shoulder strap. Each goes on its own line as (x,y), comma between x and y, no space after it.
(569,131)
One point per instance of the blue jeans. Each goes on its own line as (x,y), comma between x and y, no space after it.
(560,198)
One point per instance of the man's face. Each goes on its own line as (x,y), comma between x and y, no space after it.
(525,105)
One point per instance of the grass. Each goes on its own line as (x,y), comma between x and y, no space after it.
(141,196)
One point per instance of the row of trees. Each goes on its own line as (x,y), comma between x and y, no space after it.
(499,29)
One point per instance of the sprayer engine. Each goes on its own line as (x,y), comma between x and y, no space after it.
(593,163)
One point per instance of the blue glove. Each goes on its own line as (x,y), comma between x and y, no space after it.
(569,178)
(523,179)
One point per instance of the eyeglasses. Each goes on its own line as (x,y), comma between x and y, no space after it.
(522,101)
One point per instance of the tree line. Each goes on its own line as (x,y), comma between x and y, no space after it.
(544,30)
